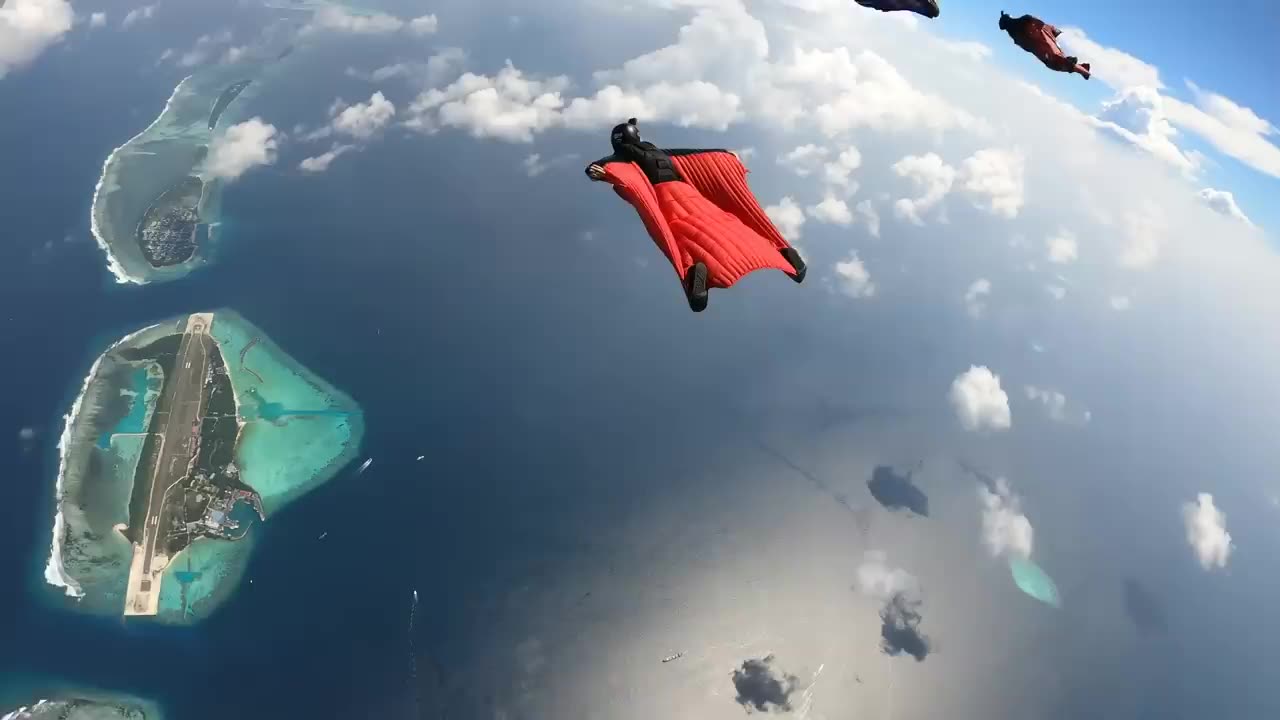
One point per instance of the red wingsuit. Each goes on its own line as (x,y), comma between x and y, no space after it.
(1040,39)
(698,208)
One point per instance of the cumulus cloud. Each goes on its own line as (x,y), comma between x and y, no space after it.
(364,120)
(425,25)
(1231,128)
(534,165)
(876,579)
(1006,531)
(838,172)
(97,20)
(995,176)
(136,15)
(975,298)
(788,217)
(1115,68)
(868,213)
(803,160)
(979,402)
(1055,406)
(931,176)
(1062,247)
(901,594)
(1207,532)
(240,148)
(1225,203)
(28,28)
(321,162)
(1137,116)
(508,106)
(335,18)
(831,210)
(205,47)
(441,66)
(853,279)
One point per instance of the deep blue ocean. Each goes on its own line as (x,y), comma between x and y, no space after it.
(433,283)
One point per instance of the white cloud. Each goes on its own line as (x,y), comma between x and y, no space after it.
(788,217)
(1006,531)
(321,162)
(425,25)
(1062,247)
(28,28)
(1057,292)
(1054,402)
(868,213)
(1120,302)
(975,298)
(853,278)
(1136,115)
(1115,68)
(364,120)
(205,46)
(1144,229)
(1207,532)
(840,92)
(877,580)
(979,402)
(831,210)
(1143,115)
(803,160)
(997,176)
(508,106)
(146,12)
(931,175)
(1225,203)
(967,48)
(240,148)
(97,20)
(1233,129)
(837,172)
(335,18)
(689,104)
(234,54)
(534,165)
(441,66)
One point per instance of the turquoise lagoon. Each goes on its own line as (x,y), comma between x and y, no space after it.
(1034,581)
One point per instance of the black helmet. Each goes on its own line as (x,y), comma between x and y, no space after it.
(625,134)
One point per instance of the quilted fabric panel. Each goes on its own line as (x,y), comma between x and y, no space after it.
(722,179)
(713,236)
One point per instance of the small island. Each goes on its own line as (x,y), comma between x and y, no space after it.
(101,707)
(184,436)
(155,211)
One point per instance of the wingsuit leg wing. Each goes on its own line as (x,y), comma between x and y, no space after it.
(691,229)
(722,178)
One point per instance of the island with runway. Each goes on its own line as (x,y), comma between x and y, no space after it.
(185,435)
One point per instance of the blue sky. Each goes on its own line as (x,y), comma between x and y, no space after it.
(1225,49)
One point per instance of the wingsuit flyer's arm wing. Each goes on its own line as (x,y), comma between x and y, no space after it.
(630,183)
(722,178)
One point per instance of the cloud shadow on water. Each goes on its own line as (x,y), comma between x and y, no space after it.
(1144,608)
(896,492)
(761,688)
(900,632)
